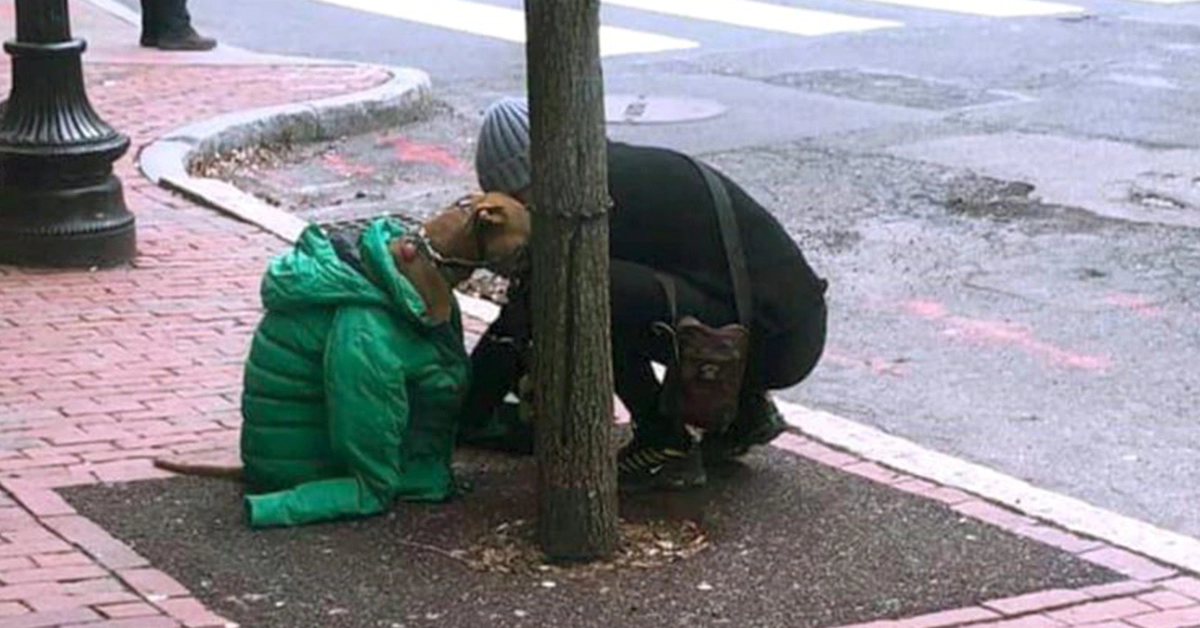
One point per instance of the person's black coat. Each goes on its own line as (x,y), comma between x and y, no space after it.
(663,217)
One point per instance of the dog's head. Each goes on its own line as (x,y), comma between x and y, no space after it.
(478,231)
(490,230)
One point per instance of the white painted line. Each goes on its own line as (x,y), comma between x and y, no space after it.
(507,24)
(1162,545)
(761,15)
(119,10)
(1165,1)
(989,8)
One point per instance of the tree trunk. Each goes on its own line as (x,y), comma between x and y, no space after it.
(572,365)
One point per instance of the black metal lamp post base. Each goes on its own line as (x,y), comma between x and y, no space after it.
(60,203)
(79,227)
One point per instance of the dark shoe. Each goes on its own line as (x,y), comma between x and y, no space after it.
(148,41)
(758,423)
(652,468)
(188,40)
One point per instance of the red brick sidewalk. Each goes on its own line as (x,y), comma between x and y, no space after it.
(118,364)
(100,372)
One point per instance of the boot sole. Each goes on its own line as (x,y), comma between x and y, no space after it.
(171,48)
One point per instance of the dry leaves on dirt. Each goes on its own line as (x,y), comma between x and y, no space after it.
(224,165)
(510,548)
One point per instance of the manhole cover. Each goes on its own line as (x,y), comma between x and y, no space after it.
(892,89)
(625,109)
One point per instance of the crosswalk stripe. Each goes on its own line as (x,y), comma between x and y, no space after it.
(761,15)
(989,8)
(506,24)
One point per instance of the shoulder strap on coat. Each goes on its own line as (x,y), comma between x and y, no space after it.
(738,275)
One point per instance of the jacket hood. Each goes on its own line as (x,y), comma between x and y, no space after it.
(312,274)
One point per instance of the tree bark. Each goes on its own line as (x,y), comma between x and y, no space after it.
(572,365)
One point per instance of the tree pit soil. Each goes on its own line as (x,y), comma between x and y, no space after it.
(775,541)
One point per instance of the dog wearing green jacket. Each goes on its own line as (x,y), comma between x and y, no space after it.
(356,373)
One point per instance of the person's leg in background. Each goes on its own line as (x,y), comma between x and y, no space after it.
(167,25)
(150,23)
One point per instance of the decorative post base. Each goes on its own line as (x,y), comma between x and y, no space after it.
(77,227)
(60,204)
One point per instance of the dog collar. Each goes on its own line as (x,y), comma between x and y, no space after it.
(425,247)
(513,264)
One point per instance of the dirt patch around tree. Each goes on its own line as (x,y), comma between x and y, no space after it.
(776,541)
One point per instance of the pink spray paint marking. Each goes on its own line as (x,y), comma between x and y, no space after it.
(1003,333)
(833,356)
(282,178)
(344,167)
(409,151)
(929,310)
(1136,303)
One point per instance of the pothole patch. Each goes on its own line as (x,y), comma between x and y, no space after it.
(996,200)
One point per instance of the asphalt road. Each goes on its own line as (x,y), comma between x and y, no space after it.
(1007,207)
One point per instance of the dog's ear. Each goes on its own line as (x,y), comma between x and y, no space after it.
(491,214)
(470,200)
(495,208)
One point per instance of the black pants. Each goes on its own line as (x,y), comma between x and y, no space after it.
(638,301)
(164,18)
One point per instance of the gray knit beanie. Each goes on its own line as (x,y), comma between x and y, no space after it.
(502,153)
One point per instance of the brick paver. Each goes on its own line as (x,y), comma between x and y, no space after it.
(1101,611)
(1040,601)
(1128,563)
(1025,621)
(1186,585)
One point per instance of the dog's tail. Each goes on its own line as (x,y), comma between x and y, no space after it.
(209,468)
